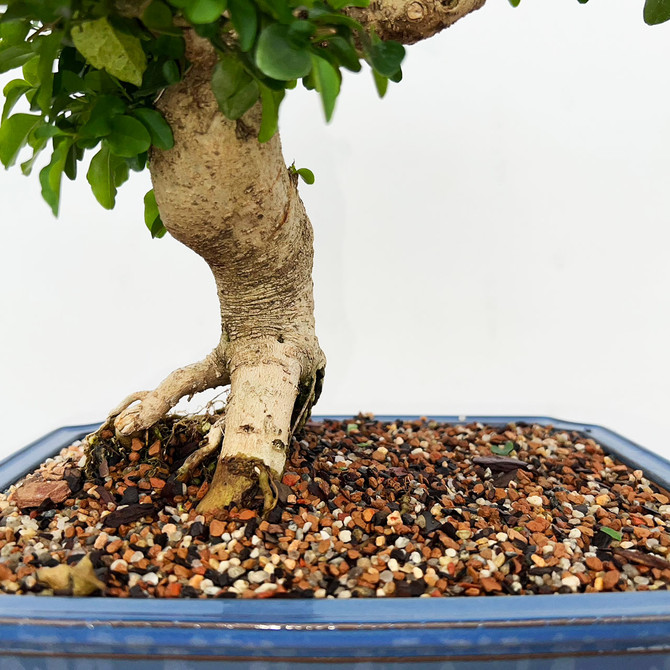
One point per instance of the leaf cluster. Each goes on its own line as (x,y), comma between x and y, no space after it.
(93,70)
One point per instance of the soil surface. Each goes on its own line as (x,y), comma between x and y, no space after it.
(364,509)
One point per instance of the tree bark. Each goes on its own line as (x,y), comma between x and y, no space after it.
(410,21)
(233,201)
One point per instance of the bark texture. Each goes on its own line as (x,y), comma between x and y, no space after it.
(410,21)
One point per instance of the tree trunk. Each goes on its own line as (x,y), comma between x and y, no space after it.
(233,201)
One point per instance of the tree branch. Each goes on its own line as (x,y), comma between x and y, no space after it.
(410,21)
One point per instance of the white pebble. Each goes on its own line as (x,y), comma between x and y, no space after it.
(150,578)
(345,535)
(241,585)
(236,571)
(264,588)
(571,581)
(258,576)
(534,500)
(119,565)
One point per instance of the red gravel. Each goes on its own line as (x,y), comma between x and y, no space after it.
(365,509)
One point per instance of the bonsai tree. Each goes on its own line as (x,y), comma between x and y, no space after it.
(191,89)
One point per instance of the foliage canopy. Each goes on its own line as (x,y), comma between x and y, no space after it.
(93,70)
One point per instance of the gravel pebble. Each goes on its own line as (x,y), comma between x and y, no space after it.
(433,512)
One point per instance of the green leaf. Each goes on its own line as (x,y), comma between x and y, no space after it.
(152,217)
(381,82)
(69,82)
(160,131)
(507,448)
(73,155)
(129,137)
(169,46)
(515,3)
(37,146)
(27,166)
(171,72)
(324,17)
(300,32)
(327,82)
(14,134)
(70,60)
(242,100)
(13,92)
(271,101)
(46,131)
(234,88)
(51,175)
(158,16)
(48,48)
(105,173)
(204,11)
(343,52)
(245,21)
(103,110)
(13,32)
(227,77)
(279,10)
(277,57)
(15,56)
(30,71)
(386,57)
(107,49)
(656,11)
(137,163)
(614,534)
(100,82)
(306,175)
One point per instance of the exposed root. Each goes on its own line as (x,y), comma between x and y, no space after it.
(238,480)
(267,486)
(154,405)
(214,438)
(125,404)
(122,406)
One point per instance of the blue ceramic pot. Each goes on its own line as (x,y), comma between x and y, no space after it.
(599,631)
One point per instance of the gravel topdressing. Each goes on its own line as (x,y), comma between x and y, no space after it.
(364,509)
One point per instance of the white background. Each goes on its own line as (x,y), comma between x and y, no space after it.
(491,238)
